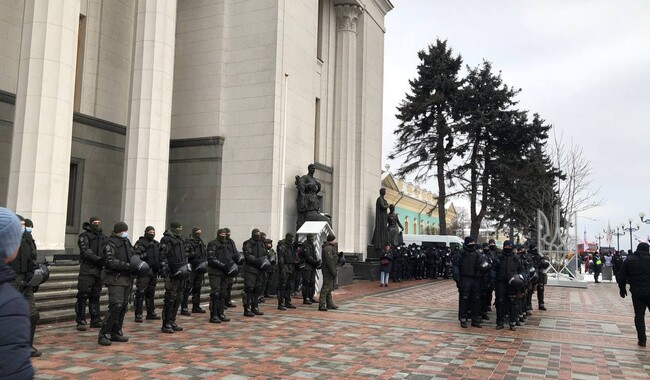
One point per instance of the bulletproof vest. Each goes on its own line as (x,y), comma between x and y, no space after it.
(176,254)
(123,251)
(95,242)
(153,250)
(286,250)
(468,263)
(200,253)
(23,262)
(508,267)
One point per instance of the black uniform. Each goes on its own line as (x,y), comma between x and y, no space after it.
(308,253)
(175,272)
(505,267)
(148,249)
(220,263)
(635,271)
(197,256)
(89,284)
(232,279)
(119,281)
(465,273)
(254,254)
(286,268)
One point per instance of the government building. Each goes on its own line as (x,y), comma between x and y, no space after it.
(200,111)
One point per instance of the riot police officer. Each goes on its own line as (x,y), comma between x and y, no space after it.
(505,271)
(148,248)
(286,269)
(89,284)
(256,261)
(175,270)
(220,267)
(312,263)
(197,256)
(465,273)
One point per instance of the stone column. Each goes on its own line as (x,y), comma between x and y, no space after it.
(345,126)
(42,134)
(144,200)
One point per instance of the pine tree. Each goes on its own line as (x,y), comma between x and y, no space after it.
(425,135)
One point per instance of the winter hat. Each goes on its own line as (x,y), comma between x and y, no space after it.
(643,247)
(469,240)
(331,237)
(149,228)
(10,233)
(175,225)
(94,219)
(120,227)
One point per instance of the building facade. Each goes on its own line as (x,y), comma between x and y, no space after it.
(150,111)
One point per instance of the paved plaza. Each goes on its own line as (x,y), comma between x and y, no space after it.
(406,331)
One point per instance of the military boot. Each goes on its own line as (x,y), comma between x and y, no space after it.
(184,309)
(196,301)
(80,310)
(175,327)
(139,297)
(247,305)
(167,316)
(330,302)
(35,353)
(287,300)
(255,306)
(95,315)
(214,314)
(151,309)
(221,308)
(106,330)
(281,300)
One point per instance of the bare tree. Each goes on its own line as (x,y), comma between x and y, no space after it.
(458,222)
(576,191)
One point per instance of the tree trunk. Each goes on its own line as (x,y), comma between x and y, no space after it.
(440,165)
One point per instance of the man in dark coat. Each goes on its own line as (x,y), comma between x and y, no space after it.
(175,271)
(466,274)
(286,270)
(635,271)
(255,255)
(14,311)
(148,248)
(220,267)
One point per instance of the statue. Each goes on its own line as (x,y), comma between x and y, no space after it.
(308,202)
(380,236)
(395,228)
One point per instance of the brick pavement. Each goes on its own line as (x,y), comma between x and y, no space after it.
(406,331)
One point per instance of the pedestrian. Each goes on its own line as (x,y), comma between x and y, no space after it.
(597,265)
(385,266)
(636,272)
(330,258)
(89,283)
(15,350)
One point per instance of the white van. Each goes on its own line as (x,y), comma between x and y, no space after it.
(440,241)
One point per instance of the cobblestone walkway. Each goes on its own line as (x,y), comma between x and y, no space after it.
(406,331)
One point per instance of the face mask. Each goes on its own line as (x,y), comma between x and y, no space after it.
(123,235)
(222,237)
(96,227)
(177,231)
(22,229)
(507,250)
(256,237)
(29,229)
(196,236)
(149,236)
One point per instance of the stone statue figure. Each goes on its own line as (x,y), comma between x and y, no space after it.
(308,201)
(395,227)
(380,236)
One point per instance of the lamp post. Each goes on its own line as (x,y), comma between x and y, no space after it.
(618,236)
(598,237)
(630,230)
(643,219)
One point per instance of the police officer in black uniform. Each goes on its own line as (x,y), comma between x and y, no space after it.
(148,248)
(256,261)
(89,284)
(465,273)
(175,270)
(220,267)
(286,269)
(505,269)
(119,281)
(197,257)
(308,253)
(238,259)
(487,286)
